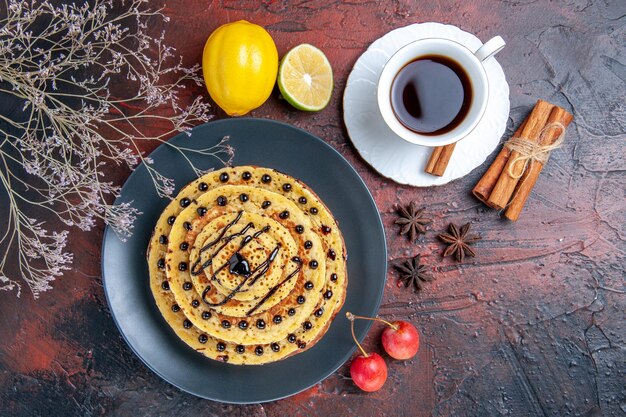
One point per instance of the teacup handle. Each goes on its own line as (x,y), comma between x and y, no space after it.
(490,48)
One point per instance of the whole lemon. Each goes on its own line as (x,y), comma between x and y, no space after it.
(240,64)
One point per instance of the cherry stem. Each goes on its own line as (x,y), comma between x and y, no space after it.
(393,326)
(351,317)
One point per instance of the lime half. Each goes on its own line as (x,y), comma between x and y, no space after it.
(305,78)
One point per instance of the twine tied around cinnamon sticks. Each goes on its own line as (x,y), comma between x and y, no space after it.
(531,152)
(506,186)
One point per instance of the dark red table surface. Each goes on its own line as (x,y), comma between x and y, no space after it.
(534,325)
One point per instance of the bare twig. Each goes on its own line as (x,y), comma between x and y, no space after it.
(88,79)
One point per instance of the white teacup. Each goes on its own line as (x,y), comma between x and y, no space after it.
(470,62)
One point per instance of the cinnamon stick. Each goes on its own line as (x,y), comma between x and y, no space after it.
(483,189)
(505,186)
(530,176)
(439,159)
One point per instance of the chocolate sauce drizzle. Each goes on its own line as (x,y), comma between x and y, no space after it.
(194,270)
(258,272)
(274,289)
(238,265)
(224,230)
(235,267)
(226,240)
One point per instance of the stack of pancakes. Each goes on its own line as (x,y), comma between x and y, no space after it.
(247,265)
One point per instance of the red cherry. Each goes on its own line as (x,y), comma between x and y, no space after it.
(401,340)
(369,372)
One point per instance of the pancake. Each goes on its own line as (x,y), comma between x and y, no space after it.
(247,265)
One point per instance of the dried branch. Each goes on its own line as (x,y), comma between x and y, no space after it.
(88,83)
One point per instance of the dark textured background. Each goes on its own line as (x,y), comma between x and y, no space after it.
(533,326)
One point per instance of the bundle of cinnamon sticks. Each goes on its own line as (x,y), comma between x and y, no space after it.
(509,180)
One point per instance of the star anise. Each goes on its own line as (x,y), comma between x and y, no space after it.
(458,241)
(412,221)
(412,272)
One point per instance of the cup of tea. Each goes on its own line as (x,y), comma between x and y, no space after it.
(434,91)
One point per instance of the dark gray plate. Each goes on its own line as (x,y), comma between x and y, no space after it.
(290,150)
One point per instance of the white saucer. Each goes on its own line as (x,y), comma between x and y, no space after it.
(386,152)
